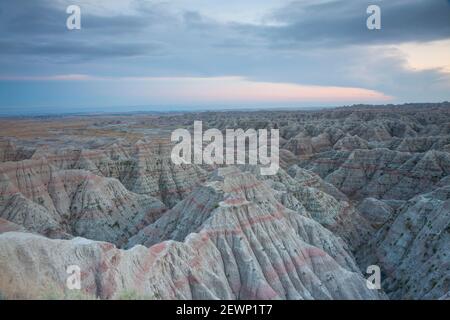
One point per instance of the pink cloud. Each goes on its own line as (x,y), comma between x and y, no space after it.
(239,89)
(219,89)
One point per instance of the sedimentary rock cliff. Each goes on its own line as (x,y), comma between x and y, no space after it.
(144,167)
(413,247)
(229,239)
(65,203)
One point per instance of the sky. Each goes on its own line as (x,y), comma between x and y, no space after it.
(134,55)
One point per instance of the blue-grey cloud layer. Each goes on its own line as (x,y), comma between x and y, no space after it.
(320,43)
(342,22)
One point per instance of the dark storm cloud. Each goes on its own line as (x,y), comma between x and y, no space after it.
(29,18)
(48,18)
(344,22)
(307,42)
(69,49)
(39,29)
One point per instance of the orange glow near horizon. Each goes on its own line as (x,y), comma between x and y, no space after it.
(229,89)
(237,89)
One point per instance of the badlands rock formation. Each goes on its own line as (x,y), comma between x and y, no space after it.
(383,173)
(230,239)
(62,203)
(144,168)
(413,247)
(358,186)
(10,152)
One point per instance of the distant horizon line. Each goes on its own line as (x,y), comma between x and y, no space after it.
(53,112)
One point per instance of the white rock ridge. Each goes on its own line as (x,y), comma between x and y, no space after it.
(229,240)
(65,203)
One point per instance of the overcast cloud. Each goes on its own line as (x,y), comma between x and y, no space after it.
(300,43)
